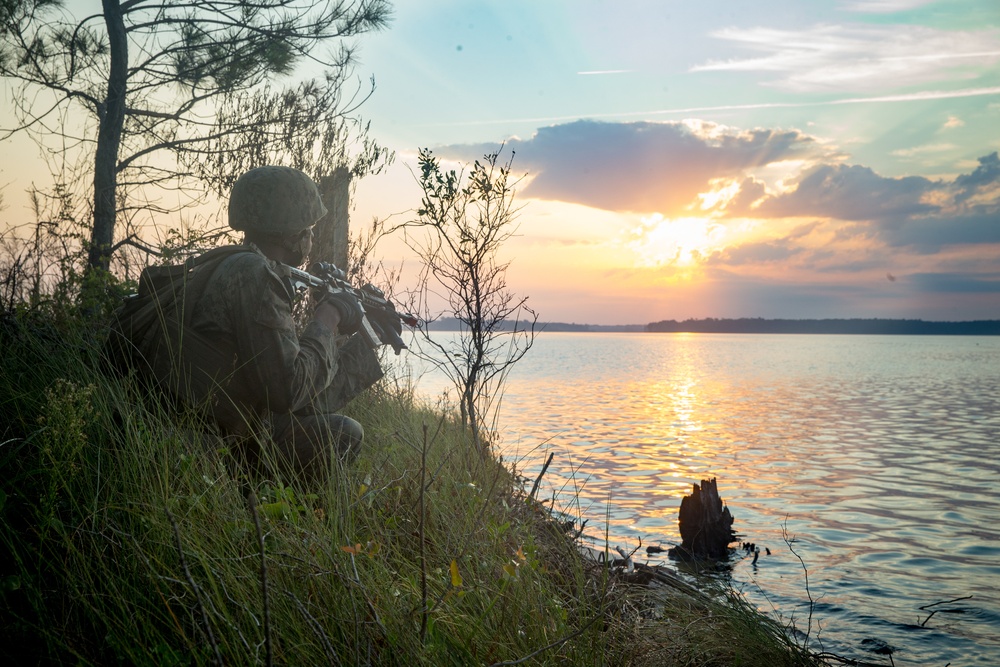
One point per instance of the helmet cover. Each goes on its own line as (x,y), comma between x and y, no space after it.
(275,200)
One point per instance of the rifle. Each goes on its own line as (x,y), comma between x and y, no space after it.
(380,322)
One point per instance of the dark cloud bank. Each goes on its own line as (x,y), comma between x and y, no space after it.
(645,167)
(641,166)
(649,167)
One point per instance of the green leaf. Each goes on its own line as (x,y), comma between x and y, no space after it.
(278,510)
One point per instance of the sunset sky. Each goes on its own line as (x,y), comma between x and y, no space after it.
(714,159)
(797,159)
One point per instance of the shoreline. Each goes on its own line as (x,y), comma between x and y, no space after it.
(890,327)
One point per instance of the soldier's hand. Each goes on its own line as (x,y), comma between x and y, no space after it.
(348,307)
(327,315)
(389,324)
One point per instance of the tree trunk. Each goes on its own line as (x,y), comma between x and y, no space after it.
(330,244)
(109,135)
(705,524)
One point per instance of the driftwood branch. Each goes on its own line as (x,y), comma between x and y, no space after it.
(928,606)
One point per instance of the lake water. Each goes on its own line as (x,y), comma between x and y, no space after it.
(877,456)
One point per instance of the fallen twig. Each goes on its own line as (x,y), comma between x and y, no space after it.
(629,565)
(928,606)
(534,487)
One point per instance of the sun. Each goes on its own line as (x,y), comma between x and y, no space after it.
(682,242)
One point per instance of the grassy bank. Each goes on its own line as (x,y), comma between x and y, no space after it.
(128,538)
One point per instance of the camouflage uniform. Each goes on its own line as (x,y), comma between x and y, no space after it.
(287,384)
(216,335)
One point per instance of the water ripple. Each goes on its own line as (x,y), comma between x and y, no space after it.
(877,455)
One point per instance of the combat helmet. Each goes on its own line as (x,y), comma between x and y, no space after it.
(274,200)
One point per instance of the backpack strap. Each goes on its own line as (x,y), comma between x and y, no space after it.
(199,271)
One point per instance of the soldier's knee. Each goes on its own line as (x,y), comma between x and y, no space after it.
(311,443)
(347,436)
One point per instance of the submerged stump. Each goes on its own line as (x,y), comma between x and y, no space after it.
(706,525)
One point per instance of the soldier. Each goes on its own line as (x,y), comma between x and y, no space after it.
(236,354)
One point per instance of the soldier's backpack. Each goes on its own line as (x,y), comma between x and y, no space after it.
(150,333)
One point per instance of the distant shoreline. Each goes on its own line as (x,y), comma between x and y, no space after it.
(832,326)
(766,326)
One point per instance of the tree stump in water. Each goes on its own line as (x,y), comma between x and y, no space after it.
(705,523)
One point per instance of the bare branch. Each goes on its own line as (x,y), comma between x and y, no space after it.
(182,62)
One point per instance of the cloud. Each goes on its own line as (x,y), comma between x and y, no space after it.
(755,253)
(986,177)
(951,283)
(829,58)
(924,95)
(923,150)
(869,225)
(929,235)
(856,265)
(952,122)
(735,294)
(641,166)
(802,231)
(827,218)
(884,6)
(751,193)
(913,211)
(852,193)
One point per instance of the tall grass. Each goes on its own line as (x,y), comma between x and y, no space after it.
(128,536)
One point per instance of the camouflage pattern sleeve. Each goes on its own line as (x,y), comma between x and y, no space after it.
(358,367)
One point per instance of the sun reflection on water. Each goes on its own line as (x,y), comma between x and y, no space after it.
(879,455)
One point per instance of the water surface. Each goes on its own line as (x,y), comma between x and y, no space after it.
(873,457)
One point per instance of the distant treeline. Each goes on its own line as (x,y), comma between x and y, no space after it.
(451,324)
(760,325)
(833,326)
